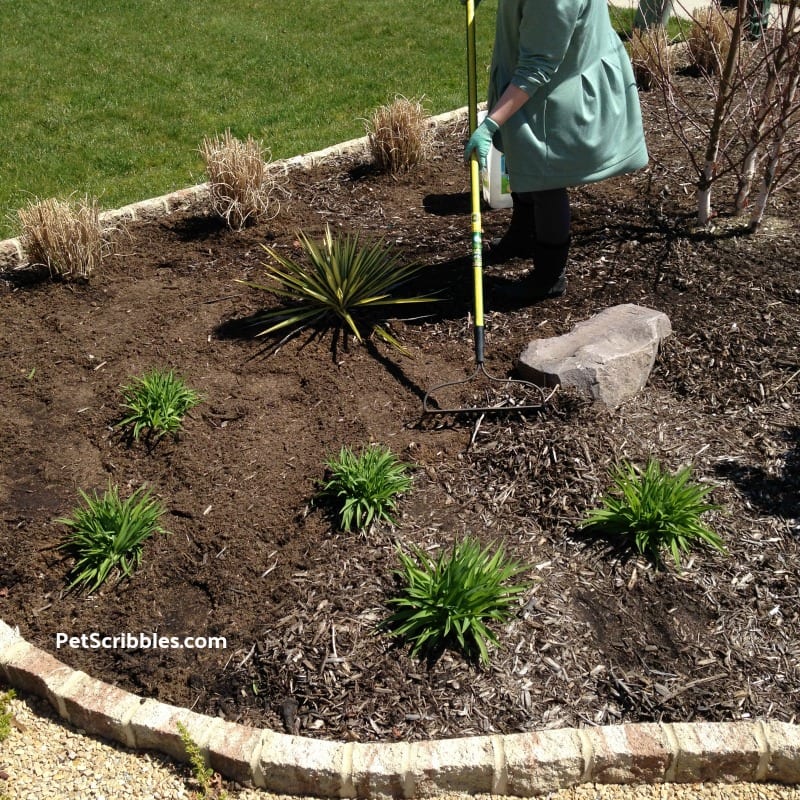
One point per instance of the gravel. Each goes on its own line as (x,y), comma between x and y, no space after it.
(44,758)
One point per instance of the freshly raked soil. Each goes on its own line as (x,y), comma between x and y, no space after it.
(252,556)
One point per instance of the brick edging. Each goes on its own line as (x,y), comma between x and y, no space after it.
(520,764)
(12,254)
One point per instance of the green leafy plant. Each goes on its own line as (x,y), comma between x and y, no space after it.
(6,714)
(158,402)
(208,781)
(656,511)
(342,281)
(366,486)
(108,533)
(453,598)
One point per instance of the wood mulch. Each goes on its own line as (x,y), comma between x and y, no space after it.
(252,556)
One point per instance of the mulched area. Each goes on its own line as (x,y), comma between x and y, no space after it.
(252,556)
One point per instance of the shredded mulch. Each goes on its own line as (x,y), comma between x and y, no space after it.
(600,637)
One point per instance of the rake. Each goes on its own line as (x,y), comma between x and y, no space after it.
(504,401)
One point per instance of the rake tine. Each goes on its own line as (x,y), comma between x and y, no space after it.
(431,406)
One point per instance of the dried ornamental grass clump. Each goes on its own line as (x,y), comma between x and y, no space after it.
(66,236)
(239,180)
(709,38)
(650,56)
(399,135)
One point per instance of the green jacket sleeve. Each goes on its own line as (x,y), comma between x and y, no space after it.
(543,41)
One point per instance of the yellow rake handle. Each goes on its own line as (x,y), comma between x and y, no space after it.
(475,185)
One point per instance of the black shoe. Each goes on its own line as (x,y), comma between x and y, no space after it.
(529,290)
(548,278)
(510,245)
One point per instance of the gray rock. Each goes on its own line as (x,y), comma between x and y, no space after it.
(608,357)
(11,254)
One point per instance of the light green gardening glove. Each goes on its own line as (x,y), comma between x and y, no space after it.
(481,141)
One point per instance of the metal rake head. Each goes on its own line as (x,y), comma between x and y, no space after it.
(502,395)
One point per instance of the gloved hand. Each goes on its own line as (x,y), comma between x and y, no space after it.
(481,141)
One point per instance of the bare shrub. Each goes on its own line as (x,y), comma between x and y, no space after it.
(709,37)
(399,135)
(66,236)
(650,55)
(746,126)
(774,120)
(239,180)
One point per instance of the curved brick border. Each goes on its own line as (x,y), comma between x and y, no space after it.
(522,765)
(12,255)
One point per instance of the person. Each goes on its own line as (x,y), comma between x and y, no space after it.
(758,19)
(758,16)
(564,108)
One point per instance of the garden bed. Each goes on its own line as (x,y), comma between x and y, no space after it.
(253,557)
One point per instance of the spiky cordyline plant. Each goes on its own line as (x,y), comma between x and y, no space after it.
(656,511)
(107,534)
(365,486)
(453,598)
(342,280)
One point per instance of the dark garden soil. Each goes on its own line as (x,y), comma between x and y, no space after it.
(254,558)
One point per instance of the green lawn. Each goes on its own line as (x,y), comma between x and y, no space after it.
(112,99)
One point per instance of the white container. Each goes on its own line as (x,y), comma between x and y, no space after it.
(494,179)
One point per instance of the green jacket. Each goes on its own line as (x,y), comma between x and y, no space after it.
(583,122)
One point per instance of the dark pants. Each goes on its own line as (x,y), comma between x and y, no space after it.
(551,214)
